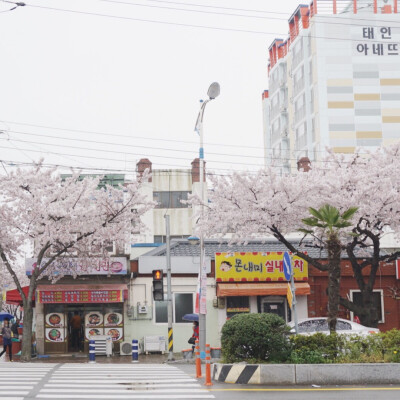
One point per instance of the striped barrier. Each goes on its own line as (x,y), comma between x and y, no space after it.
(198,360)
(92,351)
(208,366)
(237,373)
(135,351)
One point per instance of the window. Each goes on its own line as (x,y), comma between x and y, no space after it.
(237,305)
(182,304)
(378,301)
(163,238)
(171,199)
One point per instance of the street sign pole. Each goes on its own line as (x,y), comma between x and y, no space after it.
(294,308)
(289,275)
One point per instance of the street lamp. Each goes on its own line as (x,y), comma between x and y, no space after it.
(213,92)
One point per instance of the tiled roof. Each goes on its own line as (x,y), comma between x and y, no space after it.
(182,248)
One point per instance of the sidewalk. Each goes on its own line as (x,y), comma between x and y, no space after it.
(156,358)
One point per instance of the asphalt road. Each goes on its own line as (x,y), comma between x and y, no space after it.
(128,381)
(227,391)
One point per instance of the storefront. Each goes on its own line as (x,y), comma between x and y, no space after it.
(73,314)
(69,313)
(255,282)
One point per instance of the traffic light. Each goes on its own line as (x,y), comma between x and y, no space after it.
(158,285)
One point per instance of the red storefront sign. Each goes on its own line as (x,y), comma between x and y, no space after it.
(81,294)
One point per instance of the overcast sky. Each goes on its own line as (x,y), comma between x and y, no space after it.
(88,90)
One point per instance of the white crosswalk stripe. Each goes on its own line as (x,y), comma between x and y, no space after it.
(18,379)
(121,381)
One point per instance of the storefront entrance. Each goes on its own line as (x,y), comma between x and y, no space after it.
(275,305)
(68,327)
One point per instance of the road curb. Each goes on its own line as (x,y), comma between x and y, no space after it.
(307,374)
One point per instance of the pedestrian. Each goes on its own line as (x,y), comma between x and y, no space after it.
(75,324)
(7,335)
(14,329)
(195,332)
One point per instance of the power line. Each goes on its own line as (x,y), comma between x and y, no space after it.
(197,26)
(116,152)
(216,7)
(336,16)
(152,21)
(128,136)
(125,145)
(135,137)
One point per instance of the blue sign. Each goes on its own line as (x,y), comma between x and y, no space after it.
(287,265)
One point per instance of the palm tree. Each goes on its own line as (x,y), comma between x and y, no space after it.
(330,221)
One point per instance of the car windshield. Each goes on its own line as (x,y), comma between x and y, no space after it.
(321,325)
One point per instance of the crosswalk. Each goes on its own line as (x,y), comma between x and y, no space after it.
(17,380)
(98,381)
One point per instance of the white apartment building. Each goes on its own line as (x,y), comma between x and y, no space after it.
(333,82)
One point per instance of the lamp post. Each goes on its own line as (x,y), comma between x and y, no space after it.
(212,93)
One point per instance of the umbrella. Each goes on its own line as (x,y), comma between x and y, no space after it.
(190,317)
(5,315)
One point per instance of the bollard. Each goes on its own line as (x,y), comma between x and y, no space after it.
(135,351)
(208,366)
(92,351)
(198,360)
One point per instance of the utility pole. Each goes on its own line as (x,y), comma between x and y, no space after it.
(169,293)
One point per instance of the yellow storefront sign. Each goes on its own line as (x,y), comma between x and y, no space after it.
(256,266)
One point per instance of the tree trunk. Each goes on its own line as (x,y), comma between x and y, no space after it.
(369,314)
(27,332)
(334,275)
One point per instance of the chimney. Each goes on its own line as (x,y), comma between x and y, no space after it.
(196,170)
(304,164)
(141,166)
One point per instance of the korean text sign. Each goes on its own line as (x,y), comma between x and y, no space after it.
(256,266)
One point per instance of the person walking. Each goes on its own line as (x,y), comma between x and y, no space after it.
(75,324)
(195,332)
(14,329)
(7,335)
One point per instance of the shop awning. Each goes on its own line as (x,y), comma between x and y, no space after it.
(260,289)
(112,293)
(13,296)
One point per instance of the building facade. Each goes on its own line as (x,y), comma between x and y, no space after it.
(333,82)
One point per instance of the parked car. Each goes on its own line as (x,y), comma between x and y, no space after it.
(310,326)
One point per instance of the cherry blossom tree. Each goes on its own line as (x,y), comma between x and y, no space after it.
(62,218)
(245,205)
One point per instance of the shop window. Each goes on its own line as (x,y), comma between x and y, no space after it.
(378,301)
(182,304)
(237,305)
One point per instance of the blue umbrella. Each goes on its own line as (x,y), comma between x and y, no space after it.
(5,315)
(190,317)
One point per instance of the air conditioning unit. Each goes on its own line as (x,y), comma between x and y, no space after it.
(154,344)
(126,349)
(141,309)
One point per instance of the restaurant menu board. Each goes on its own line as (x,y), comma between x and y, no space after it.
(81,296)
(116,334)
(113,319)
(93,332)
(93,319)
(55,335)
(93,324)
(55,320)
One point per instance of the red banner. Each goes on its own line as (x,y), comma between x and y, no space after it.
(81,296)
